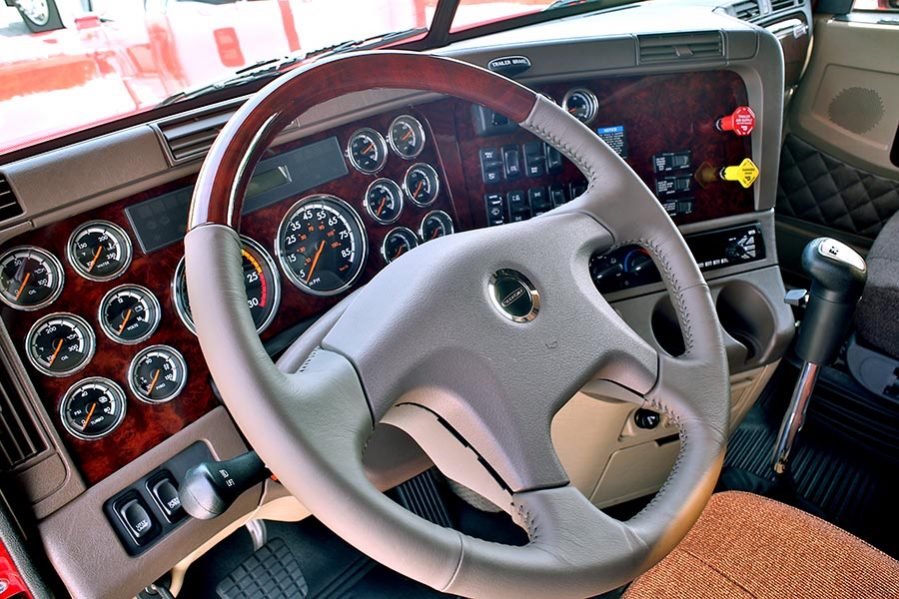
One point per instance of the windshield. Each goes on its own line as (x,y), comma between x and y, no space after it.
(67,65)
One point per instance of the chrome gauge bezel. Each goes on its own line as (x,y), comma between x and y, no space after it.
(393,231)
(90,340)
(399,193)
(433,171)
(363,243)
(113,387)
(132,368)
(121,236)
(421,226)
(593,102)
(419,129)
(53,261)
(378,139)
(105,325)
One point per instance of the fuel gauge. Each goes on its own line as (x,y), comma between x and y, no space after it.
(367,151)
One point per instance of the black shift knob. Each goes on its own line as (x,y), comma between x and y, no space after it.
(209,488)
(838,275)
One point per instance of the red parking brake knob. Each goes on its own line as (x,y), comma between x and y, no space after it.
(741,121)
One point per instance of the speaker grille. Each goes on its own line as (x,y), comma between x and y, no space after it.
(857,109)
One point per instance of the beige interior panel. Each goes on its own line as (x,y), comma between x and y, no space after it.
(846,104)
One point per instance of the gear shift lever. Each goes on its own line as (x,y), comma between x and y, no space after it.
(838,276)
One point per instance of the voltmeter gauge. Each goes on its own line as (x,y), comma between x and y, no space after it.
(30,278)
(581,104)
(157,374)
(129,314)
(367,151)
(60,344)
(406,136)
(397,242)
(92,408)
(99,250)
(436,223)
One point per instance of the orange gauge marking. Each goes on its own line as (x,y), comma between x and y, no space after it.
(318,254)
(418,188)
(154,381)
(258,268)
(381,207)
(90,414)
(94,261)
(22,286)
(125,321)
(407,135)
(55,353)
(368,148)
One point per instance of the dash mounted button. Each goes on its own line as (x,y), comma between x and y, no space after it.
(513,295)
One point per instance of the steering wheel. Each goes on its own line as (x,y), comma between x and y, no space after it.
(471,343)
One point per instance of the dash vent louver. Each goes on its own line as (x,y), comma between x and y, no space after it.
(189,137)
(748,10)
(778,5)
(20,437)
(9,204)
(677,47)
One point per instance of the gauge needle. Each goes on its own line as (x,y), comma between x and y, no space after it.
(435,234)
(22,286)
(55,352)
(94,261)
(381,206)
(368,148)
(90,413)
(418,188)
(318,254)
(399,252)
(125,321)
(153,382)
(572,110)
(407,135)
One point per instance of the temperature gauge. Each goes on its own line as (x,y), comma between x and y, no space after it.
(30,278)
(436,223)
(407,136)
(422,184)
(129,314)
(99,250)
(60,344)
(581,104)
(92,408)
(157,374)
(398,242)
(384,201)
(367,151)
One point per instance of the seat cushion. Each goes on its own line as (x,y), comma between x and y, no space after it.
(748,546)
(876,320)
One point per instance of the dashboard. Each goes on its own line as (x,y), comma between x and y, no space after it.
(99,306)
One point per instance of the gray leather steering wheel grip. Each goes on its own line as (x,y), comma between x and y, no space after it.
(442,362)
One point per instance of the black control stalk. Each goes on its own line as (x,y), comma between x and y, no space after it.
(210,488)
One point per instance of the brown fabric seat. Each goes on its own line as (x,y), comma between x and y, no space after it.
(748,546)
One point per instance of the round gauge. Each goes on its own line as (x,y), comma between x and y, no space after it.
(581,104)
(261,282)
(398,242)
(421,184)
(129,314)
(30,278)
(367,151)
(384,201)
(322,245)
(436,223)
(157,374)
(93,408)
(60,344)
(99,250)
(407,136)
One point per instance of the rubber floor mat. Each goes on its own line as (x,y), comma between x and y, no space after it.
(272,572)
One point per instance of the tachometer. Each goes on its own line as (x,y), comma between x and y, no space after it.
(99,250)
(261,282)
(157,374)
(60,344)
(406,136)
(384,201)
(322,245)
(92,408)
(422,184)
(30,278)
(129,314)
(581,104)
(367,151)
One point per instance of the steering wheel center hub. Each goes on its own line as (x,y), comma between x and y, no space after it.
(514,295)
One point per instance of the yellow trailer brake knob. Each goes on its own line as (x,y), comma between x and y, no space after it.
(744,173)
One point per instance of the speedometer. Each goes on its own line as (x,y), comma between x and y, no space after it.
(261,282)
(322,245)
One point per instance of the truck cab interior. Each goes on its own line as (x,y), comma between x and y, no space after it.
(595,299)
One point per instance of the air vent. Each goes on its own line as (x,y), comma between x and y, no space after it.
(20,438)
(680,46)
(777,5)
(747,11)
(190,136)
(9,204)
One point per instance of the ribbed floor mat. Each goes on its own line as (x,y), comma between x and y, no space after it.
(269,573)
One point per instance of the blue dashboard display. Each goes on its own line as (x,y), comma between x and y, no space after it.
(162,221)
(615,137)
